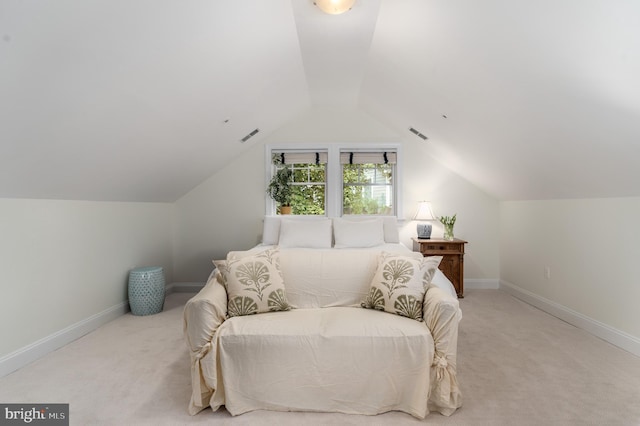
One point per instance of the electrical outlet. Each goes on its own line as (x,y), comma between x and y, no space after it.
(547,272)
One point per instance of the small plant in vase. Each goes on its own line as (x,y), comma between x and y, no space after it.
(280,189)
(448,222)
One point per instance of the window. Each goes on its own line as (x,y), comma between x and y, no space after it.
(335,180)
(308,179)
(367,183)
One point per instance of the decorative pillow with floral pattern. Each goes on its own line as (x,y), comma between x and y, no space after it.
(399,284)
(254,283)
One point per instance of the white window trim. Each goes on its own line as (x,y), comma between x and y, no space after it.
(333,198)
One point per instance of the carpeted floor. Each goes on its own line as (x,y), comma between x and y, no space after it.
(516,366)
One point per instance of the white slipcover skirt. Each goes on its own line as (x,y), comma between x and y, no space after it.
(340,359)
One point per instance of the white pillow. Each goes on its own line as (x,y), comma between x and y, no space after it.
(362,233)
(390,226)
(391,233)
(305,233)
(271,230)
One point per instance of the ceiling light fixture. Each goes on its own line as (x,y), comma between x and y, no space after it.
(334,7)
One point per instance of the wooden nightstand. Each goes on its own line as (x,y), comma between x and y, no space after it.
(452,253)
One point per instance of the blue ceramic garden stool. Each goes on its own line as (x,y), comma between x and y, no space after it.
(146,290)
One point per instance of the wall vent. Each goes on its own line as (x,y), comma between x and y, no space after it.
(418,134)
(249,136)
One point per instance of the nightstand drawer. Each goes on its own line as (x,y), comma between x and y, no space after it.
(433,248)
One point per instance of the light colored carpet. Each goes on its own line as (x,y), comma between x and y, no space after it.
(516,366)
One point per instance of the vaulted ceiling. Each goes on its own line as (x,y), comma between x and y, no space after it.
(141,100)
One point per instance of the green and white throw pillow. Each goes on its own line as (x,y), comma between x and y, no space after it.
(399,284)
(254,283)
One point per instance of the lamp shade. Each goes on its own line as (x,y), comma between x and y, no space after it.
(334,7)
(424,211)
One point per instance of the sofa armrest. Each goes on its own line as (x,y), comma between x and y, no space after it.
(203,314)
(442,314)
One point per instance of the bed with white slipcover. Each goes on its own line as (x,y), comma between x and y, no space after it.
(324,351)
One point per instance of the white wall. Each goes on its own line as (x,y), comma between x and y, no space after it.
(65,261)
(477,219)
(221,214)
(590,246)
(225,212)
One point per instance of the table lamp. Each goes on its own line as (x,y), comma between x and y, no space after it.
(424,213)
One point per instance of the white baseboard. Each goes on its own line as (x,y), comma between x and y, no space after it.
(26,355)
(605,332)
(32,352)
(185,287)
(481,284)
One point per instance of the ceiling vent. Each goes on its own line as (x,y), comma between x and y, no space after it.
(250,135)
(417,133)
